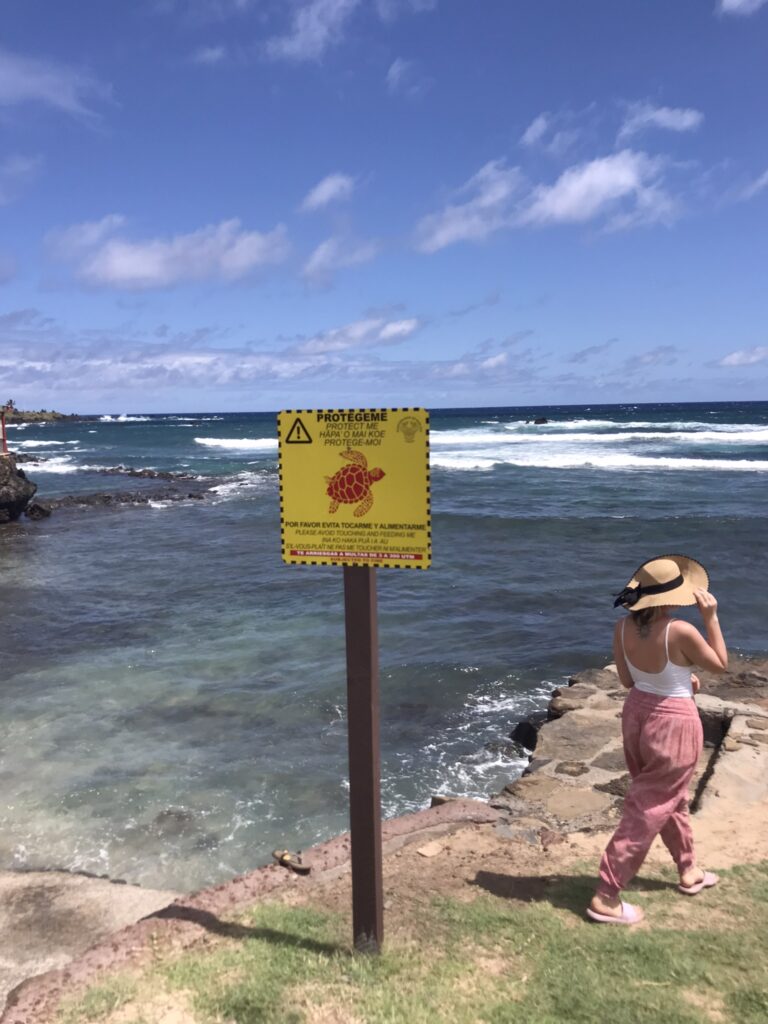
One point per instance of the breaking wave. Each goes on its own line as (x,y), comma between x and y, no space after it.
(243,444)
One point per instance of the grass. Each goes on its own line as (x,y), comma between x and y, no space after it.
(491,959)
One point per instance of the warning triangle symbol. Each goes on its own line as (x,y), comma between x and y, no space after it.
(298,434)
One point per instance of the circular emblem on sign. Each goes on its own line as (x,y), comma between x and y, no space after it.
(409,428)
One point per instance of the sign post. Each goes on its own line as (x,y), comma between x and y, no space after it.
(364,756)
(354,492)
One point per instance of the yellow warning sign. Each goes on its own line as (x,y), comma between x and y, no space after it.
(354,487)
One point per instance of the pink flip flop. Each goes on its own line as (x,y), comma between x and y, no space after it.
(709,879)
(629,915)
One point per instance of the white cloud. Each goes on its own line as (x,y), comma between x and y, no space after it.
(317,25)
(491,190)
(746,356)
(626,188)
(675,119)
(369,333)
(388,10)
(209,55)
(754,187)
(35,80)
(224,252)
(336,254)
(555,134)
(741,6)
(405,79)
(588,190)
(494,362)
(15,172)
(198,11)
(72,242)
(536,130)
(396,330)
(333,188)
(583,354)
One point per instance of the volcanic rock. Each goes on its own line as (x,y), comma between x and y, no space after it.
(15,490)
(37,511)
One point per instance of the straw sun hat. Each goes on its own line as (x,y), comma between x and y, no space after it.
(670,579)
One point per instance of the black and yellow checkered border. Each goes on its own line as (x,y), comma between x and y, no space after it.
(281,441)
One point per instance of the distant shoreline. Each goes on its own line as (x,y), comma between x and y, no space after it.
(43,416)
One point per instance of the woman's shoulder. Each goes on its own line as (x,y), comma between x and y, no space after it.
(682,628)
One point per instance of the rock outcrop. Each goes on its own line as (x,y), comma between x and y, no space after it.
(40,416)
(577,777)
(16,491)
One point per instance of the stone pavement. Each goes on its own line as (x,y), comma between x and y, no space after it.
(49,917)
(577,777)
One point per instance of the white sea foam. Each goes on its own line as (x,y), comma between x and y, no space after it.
(487,459)
(61,464)
(124,418)
(242,482)
(597,425)
(444,438)
(43,444)
(459,461)
(242,444)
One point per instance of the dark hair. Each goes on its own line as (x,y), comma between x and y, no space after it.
(642,620)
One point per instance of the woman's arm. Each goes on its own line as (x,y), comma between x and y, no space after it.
(618,656)
(710,654)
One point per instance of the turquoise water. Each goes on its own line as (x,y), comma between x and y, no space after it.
(173,696)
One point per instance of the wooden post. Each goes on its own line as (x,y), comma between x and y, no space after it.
(3,411)
(364,757)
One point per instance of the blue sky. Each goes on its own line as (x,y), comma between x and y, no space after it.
(256,204)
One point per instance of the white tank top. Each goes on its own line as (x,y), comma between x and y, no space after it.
(673,680)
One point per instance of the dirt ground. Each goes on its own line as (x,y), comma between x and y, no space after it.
(479,857)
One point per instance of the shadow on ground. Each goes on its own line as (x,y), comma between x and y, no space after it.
(568,892)
(232,930)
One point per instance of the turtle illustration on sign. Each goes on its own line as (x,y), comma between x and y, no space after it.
(352,484)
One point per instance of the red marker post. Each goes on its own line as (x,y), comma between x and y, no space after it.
(3,410)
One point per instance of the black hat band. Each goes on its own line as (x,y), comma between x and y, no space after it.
(631,595)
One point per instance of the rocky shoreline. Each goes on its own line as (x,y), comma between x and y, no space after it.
(17,490)
(44,416)
(573,785)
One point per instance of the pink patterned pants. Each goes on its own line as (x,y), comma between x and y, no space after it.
(662,743)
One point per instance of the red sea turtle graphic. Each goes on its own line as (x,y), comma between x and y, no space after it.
(353,483)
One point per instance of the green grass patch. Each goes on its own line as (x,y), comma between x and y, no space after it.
(494,959)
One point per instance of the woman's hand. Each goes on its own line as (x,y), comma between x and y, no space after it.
(707,603)
(695,683)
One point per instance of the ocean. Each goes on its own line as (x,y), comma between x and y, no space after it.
(173,696)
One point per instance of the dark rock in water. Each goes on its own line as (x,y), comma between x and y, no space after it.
(174,821)
(145,474)
(505,748)
(527,732)
(16,491)
(37,511)
(110,499)
(207,841)
(21,457)
(540,420)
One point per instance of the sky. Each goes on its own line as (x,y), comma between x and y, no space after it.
(243,205)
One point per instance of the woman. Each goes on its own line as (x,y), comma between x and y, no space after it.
(662,733)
